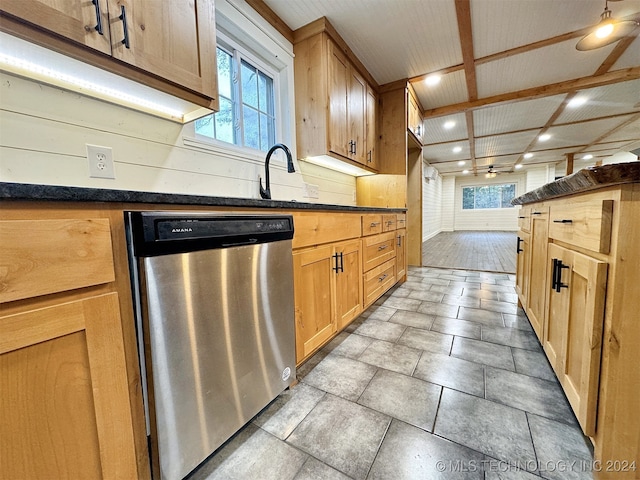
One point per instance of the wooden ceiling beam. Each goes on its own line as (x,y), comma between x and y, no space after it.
(567,86)
(463,14)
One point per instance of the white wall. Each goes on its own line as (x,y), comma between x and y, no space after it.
(448,203)
(537,177)
(431,207)
(44,130)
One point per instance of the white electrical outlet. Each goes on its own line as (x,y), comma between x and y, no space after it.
(310,191)
(100,162)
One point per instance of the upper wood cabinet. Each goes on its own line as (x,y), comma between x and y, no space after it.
(372,128)
(171,45)
(335,105)
(414,117)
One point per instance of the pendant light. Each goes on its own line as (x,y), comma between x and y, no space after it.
(607,31)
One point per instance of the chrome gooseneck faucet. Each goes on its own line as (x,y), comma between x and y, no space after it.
(266,192)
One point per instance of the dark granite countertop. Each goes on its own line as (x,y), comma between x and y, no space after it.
(583,181)
(28,191)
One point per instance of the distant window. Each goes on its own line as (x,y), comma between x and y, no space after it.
(488,196)
(247,102)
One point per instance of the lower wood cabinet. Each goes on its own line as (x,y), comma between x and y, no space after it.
(573,330)
(65,402)
(65,409)
(328,293)
(523,253)
(535,305)
(401,255)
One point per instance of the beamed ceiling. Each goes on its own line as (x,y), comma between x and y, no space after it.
(509,72)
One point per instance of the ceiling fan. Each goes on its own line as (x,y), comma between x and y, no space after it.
(492,172)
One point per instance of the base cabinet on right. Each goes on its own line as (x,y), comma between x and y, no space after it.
(584,294)
(573,332)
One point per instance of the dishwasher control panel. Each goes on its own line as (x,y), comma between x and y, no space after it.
(158,233)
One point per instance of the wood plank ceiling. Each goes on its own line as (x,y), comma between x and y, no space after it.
(509,73)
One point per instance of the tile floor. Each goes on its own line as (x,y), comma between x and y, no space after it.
(442,378)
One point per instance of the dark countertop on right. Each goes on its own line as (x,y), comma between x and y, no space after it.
(582,181)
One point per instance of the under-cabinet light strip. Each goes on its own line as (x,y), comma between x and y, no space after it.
(38,72)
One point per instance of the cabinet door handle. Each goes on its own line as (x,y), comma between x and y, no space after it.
(399,240)
(554,274)
(123,17)
(563,221)
(518,249)
(341,263)
(556,283)
(98,26)
(355,145)
(369,156)
(382,277)
(382,247)
(335,259)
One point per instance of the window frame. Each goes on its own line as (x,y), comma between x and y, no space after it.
(475,187)
(239,53)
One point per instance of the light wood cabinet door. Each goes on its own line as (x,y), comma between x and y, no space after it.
(574,330)
(523,251)
(174,40)
(348,282)
(414,120)
(538,269)
(65,399)
(339,84)
(314,301)
(372,128)
(401,255)
(357,102)
(79,21)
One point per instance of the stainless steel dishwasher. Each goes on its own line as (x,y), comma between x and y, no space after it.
(215,320)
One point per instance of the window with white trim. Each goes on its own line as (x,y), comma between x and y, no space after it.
(247,93)
(488,196)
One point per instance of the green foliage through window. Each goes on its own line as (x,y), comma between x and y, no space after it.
(247,107)
(488,196)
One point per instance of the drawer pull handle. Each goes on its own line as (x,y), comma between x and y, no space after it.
(536,213)
(563,221)
(522,217)
(382,247)
(382,277)
(375,224)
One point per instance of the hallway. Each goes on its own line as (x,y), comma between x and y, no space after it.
(442,378)
(471,250)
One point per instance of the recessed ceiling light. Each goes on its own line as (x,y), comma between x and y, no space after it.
(433,80)
(465,171)
(528,155)
(461,162)
(588,156)
(544,137)
(449,125)
(457,149)
(576,102)
(518,166)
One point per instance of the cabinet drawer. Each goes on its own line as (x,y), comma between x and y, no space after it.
(401,221)
(377,249)
(371,224)
(524,219)
(313,228)
(388,223)
(379,280)
(586,225)
(39,257)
